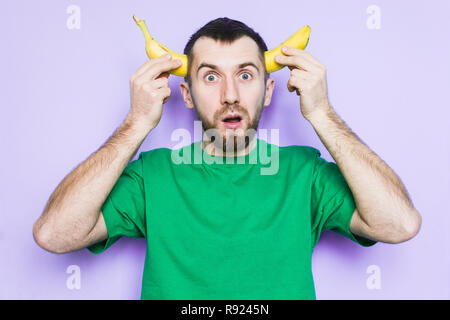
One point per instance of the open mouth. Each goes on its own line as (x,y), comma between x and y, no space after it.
(232,121)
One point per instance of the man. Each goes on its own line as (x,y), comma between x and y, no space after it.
(223,230)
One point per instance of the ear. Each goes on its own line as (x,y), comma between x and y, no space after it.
(269,90)
(184,87)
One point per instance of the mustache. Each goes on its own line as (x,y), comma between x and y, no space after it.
(235,108)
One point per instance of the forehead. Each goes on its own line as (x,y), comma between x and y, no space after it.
(226,55)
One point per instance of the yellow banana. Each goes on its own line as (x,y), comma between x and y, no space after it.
(156,49)
(298,40)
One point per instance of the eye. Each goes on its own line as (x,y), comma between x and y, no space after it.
(246,78)
(209,76)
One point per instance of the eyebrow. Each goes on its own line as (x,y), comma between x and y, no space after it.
(213,66)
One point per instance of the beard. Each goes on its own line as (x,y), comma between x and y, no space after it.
(234,140)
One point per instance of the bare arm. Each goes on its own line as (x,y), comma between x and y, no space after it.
(73,209)
(385,211)
(72,217)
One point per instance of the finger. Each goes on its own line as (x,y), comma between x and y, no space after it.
(142,68)
(297,82)
(291,89)
(147,65)
(157,69)
(160,82)
(291,61)
(292,51)
(165,92)
(290,86)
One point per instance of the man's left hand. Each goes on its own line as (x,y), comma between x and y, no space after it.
(308,78)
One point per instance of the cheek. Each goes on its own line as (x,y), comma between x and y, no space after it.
(255,99)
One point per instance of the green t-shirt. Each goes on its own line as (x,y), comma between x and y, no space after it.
(229,230)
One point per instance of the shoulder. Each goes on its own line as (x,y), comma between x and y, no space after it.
(164,157)
(155,155)
(296,160)
(299,152)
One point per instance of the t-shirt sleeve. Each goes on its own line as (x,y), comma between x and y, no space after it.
(124,207)
(332,202)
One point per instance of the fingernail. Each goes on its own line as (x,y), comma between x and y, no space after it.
(284,49)
(168,56)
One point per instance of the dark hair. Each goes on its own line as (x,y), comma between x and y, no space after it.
(225,30)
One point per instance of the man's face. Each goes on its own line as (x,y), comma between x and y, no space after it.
(228,80)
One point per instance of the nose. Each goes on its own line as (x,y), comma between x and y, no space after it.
(230,93)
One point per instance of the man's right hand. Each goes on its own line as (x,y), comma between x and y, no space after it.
(149,90)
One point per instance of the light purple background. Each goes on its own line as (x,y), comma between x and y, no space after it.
(65,91)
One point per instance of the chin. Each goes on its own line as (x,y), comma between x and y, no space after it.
(235,139)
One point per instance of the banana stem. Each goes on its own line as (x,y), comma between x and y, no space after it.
(142,25)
